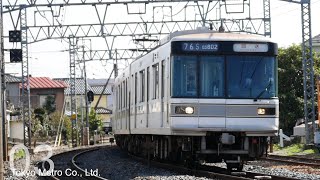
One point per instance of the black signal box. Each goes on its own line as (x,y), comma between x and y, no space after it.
(90,96)
(15,55)
(15,36)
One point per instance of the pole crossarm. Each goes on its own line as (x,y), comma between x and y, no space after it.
(136,29)
(60,3)
(297,1)
(124,54)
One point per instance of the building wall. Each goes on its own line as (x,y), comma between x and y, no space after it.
(13,93)
(103,101)
(105,117)
(16,130)
(80,102)
(318,88)
(36,93)
(316,47)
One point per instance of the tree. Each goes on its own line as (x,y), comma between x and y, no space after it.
(49,105)
(39,122)
(95,121)
(291,86)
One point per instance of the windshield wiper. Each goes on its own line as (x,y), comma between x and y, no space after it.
(263,91)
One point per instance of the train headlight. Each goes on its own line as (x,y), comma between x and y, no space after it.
(266,111)
(261,111)
(184,110)
(189,110)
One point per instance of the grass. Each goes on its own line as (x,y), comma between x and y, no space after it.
(19,154)
(295,149)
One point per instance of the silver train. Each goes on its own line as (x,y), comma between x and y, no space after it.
(200,96)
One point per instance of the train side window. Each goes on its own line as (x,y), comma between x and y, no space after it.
(155,81)
(135,87)
(131,87)
(163,65)
(148,82)
(124,94)
(119,90)
(142,86)
(121,95)
(116,98)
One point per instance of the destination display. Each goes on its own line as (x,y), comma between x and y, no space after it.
(200,46)
(252,47)
(223,47)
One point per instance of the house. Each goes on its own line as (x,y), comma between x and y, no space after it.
(79,92)
(102,106)
(96,86)
(42,87)
(102,82)
(14,122)
(316,43)
(12,90)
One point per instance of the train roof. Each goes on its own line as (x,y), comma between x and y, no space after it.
(208,35)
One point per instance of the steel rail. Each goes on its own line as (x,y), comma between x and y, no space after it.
(184,170)
(211,171)
(294,160)
(81,170)
(40,164)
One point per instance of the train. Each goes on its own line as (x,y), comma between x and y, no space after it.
(200,96)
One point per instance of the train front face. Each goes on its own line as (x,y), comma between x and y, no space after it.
(224,95)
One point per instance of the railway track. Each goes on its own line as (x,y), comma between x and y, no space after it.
(211,171)
(87,174)
(294,160)
(66,166)
(71,160)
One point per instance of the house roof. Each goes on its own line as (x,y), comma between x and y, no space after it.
(80,87)
(100,82)
(45,83)
(12,79)
(102,110)
(98,89)
(316,38)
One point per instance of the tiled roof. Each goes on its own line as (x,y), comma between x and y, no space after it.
(44,83)
(102,110)
(98,89)
(12,79)
(316,38)
(100,82)
(79,85)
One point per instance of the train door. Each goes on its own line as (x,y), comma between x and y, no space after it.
(148,84)
(126,104)
(135,99)
(129,111)
(211,109)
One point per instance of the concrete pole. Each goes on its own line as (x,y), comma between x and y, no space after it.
(86,129)
(1,63)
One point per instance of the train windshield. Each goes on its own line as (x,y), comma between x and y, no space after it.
(251,77)
(228,76)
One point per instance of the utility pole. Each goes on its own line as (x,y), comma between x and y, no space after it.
(4,109)
(86,129)
(1,63)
